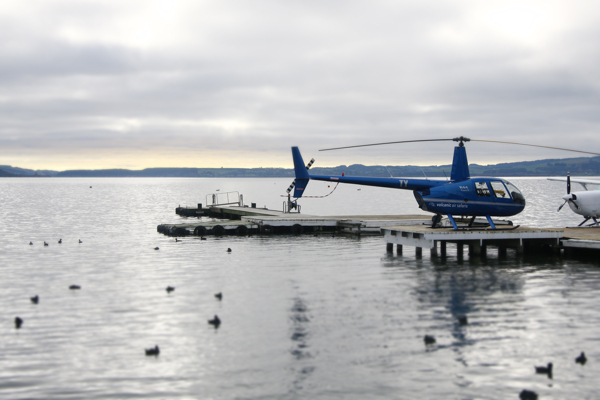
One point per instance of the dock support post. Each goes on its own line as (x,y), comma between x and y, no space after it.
(399,249)
(419,252)
(475,248)
(459,250)
(483,251)
(520,248)
(443,248)
(501,251)
(433,250)
(389,247)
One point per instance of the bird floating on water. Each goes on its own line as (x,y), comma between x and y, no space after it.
(35,299)
(581,359)
(156,248)
(155,351)
(170,289)
(215,321)
(74,287)
(429,339)
(80,241)
(528,395)
(229,250)
(202,238)
(30,243)
(544,370)
(219,296)
(463,320)
(59,241)
(18,322)
(45,244)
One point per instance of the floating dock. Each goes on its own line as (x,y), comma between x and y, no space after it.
(398,230)
(243,220)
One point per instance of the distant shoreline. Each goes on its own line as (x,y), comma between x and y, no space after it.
(582,166)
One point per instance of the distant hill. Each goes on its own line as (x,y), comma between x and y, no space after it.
(182,173)
(583,166)
(26,172)
(4,174)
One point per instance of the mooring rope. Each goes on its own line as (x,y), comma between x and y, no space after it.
(317,197)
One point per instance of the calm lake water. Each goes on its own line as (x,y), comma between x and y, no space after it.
(302,316)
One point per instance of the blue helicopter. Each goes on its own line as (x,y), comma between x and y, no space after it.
(462,195)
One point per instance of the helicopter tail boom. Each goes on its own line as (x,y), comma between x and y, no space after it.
(302,179)
(393,183)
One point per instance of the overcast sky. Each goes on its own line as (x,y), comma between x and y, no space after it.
(136,84)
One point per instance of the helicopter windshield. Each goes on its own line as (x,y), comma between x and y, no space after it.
(514,192)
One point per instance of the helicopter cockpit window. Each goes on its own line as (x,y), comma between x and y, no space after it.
(481,189)
(499,190)
(515,193)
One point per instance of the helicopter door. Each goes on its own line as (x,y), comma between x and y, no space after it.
(482,190)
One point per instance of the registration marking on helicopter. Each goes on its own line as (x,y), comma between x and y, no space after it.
(403,182)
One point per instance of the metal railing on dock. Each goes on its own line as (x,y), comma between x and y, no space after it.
(288,206)
(225,198)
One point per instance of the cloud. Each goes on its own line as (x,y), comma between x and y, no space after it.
(113,84)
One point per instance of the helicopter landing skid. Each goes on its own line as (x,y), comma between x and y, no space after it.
(470,227)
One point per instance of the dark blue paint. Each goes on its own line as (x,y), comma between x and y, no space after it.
(458,196)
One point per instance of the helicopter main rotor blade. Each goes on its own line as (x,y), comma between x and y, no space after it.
(536,145)
(379,144)
(461,140)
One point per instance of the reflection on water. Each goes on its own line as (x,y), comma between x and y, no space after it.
(300,323)
(302,316)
